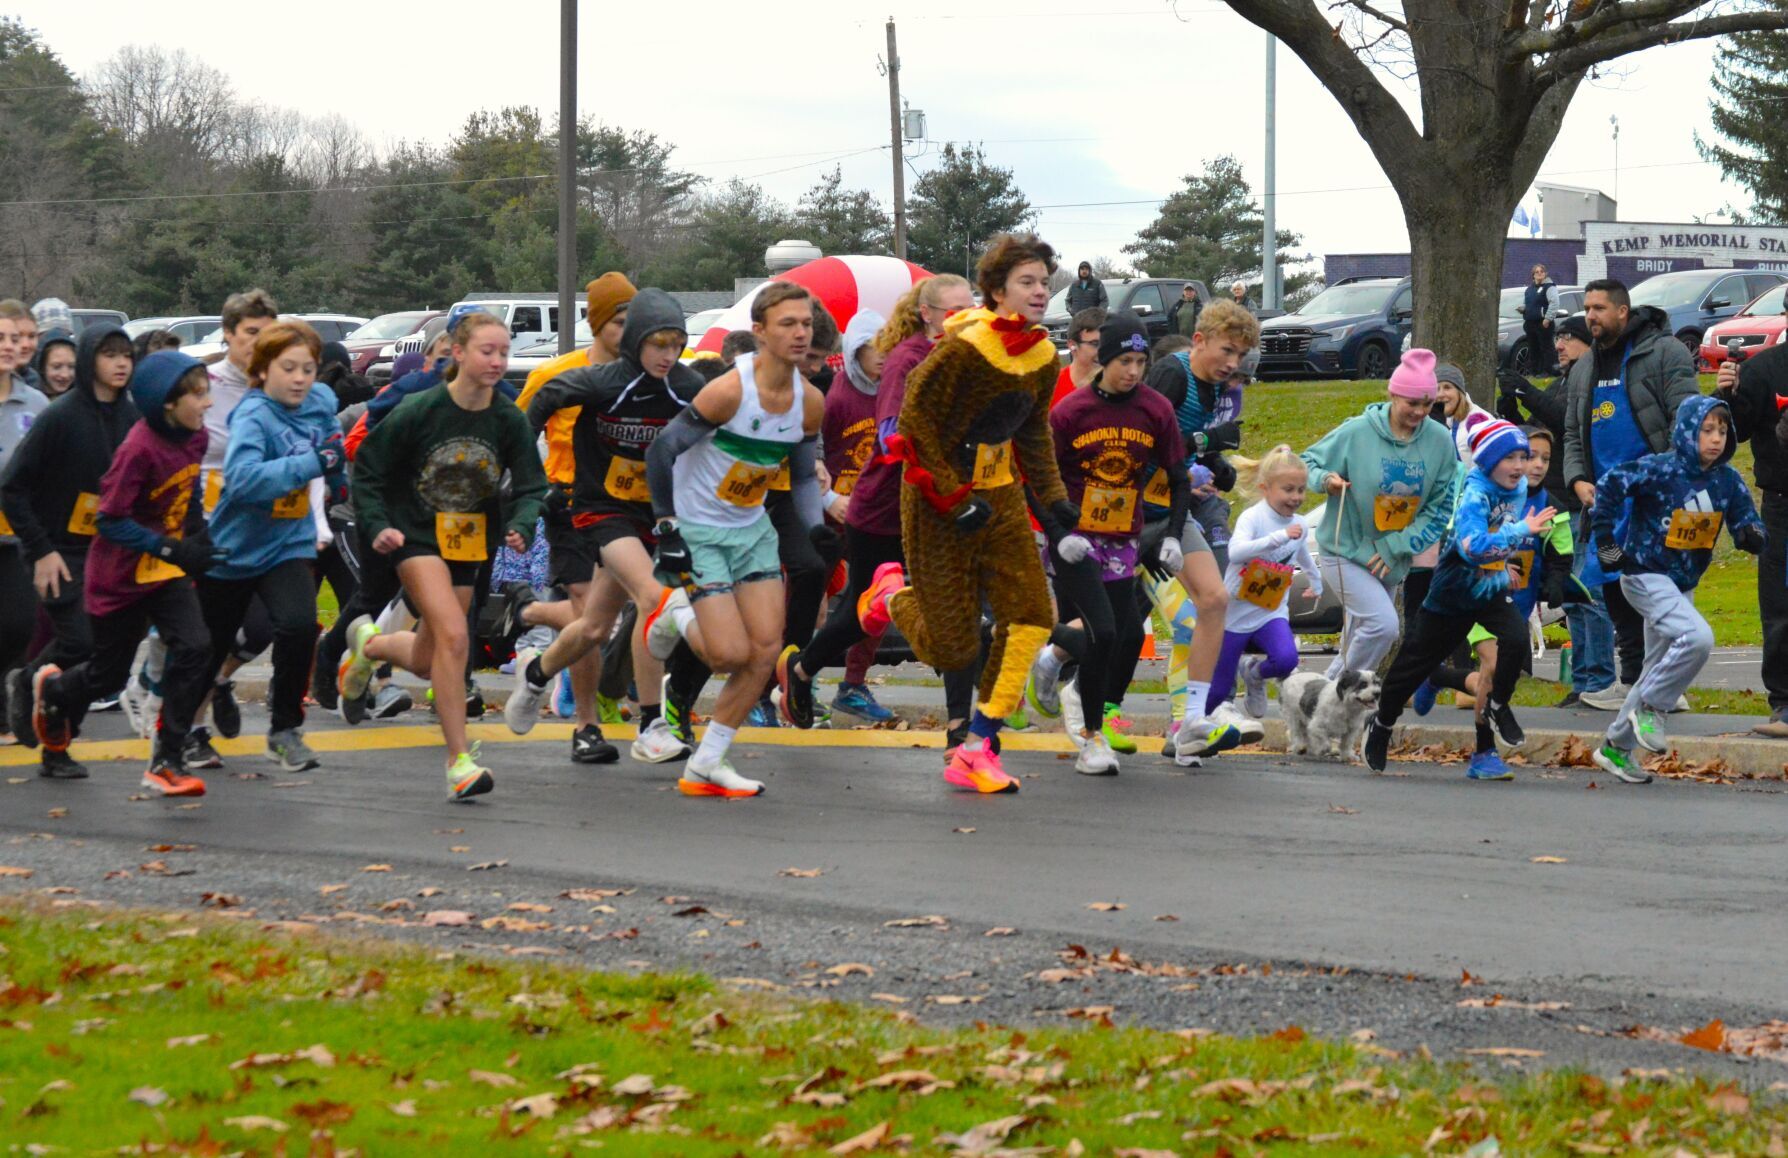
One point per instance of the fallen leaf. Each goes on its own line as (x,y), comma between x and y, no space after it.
(633,1086)
(447,917)
(459,848)
(500,1081)
(528,907)
(331,890)
(538,1106)
(7,870)
(985,1137)
(953,999)
(252,1122)
(799,872)
(1711,1036)
(1504,1051)
(1091,1012)
(1167,917)
(1727,1100)
(1343,810)
(1548,860)
(428,891)
(849,968)
(1291,1034)
(323,1113)
(403,1109)
(928,922)
(593,894)
(1467,977)
(220,900)
(149,1096)
(376,868)
(963,831)
(870,1139)
(899,1080)
(1001,931)
(398,905)
(485,866)
(193,1039)
(1107,906)
(890,998)
(58,813)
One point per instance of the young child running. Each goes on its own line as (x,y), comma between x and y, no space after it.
(1656,520)
(1268,539)
(709,471)
(426,495)
(1471,586)
(151,542)
(283,434)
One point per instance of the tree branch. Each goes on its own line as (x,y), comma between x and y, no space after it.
(1537,42)
(1583,56)
(1382,17)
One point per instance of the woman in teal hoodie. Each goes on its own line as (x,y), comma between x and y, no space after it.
(283,435)
(1389,477)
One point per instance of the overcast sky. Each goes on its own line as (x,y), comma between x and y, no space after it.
(1083,105)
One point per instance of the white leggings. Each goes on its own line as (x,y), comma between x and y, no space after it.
(1371,628)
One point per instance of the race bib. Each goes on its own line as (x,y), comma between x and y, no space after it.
(1159,492)
(1265,584)
(460,537)
(744,485)
(1108,510)
(1692,530)
(1520,570)
(846,482)
(1394,512)
(153,570)
(5,526)
(294,505)
(213,489)
(626,480)
(779,479)
(84,519)
(993,466)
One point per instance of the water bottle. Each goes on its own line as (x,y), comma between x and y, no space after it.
(1564,664)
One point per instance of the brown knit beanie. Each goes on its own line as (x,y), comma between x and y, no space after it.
(607,294)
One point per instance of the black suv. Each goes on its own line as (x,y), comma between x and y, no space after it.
(1150,298)
(1352,329)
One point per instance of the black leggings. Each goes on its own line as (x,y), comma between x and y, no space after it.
(378,586)
(1415,590)
(71,631)
(1629,632)
(1426,649)
(1108,646)
(18,607)
(173,610)
(804,570)
(289,594)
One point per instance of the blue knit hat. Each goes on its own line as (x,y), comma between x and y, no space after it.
(1494,441)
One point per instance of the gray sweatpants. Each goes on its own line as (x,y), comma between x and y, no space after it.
(1677,644)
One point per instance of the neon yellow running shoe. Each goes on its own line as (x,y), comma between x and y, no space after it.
(466,778)
(1116,730)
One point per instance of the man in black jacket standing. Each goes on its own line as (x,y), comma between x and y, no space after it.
(1750,388)
(1087,291)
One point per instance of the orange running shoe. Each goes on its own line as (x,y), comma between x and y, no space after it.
(721,780)
(167,779)
(872,605)
(979,769)
(51,728)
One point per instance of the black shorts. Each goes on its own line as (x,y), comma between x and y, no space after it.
(463,574)
(571,552)
(611,528)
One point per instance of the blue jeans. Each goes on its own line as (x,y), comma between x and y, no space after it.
(1592,631)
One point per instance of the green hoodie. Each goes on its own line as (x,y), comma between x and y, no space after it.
(1384,472)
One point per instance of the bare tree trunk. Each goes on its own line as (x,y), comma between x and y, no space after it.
(1456,251)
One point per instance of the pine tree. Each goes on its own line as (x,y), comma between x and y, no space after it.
(954,210)
(1751,95)
(1210,230)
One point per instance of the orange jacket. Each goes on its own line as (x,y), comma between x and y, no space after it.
(561,467)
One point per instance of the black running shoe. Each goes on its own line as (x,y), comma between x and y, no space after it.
(226,713)
(1503,717)
(679,714)
(474,706)
(61,766)
(588,747)
(797,693)
(197,752)
(322,677)
(1378,745)
(516,597)
(18,706)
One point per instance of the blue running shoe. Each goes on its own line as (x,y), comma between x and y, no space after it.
(564,703)
(1423,703)
(857,700)
(763,715)
(1488,766)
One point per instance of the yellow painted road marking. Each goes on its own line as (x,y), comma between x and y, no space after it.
(428,736)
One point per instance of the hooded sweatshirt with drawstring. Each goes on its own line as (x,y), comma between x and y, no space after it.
(622,413)
(263,518)
(50,485)
(847,433)
(40,360)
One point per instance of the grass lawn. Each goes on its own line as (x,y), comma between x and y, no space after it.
(191,1034)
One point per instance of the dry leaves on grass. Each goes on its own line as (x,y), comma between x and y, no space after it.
(496,1080)
(871,1139)
(318,1055)
(249,1123)
(149,1096)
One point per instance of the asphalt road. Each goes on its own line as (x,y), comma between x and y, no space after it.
(1666,910)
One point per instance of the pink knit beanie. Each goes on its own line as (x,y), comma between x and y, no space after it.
(1414,378)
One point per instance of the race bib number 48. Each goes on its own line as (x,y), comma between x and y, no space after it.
(1108,510)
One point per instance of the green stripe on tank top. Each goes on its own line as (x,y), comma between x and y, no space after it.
(756,451)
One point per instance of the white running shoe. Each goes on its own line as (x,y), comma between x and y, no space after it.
(356,670)
(657,744)
(720,780)
(662,634)
(1609,699)
(1096,757)
(522,711)
(1044,691)
(1250,730)
(1073,712)
(1254,701)
(142,707)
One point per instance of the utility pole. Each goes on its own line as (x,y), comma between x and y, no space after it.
(567,175)
(899,150)
(1269,249)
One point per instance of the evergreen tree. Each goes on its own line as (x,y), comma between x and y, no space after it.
(1210,230)
(956,208)
(841,220)
(726,239)
(1750,83)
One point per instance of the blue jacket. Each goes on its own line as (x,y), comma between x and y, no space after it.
(1487,529)
(415,382)
(1653,490)
(272,459)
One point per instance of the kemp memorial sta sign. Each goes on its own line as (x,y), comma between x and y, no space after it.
(1632,251)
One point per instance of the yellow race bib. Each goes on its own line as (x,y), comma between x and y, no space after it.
(846,482)
(213,489)
(460,536)
(779,481)
(745,484)
(1693,530)
(1108,510)
(293,505)
(626,480)
(993,466)
(84,519)
(153,570)
(1520,570)
(1264,584)
(1394,512)
(1159,491)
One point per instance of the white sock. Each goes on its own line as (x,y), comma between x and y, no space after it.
(1196,692)
(715,741)
(682,614)
(1049,665)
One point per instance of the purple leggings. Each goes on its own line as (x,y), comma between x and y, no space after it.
(1273,637)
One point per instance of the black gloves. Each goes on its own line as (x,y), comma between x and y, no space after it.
(1148,551)
(1066,517)
(1610,555)
(1223,436)
(332,453)
(1749,539)
(972,514)
(1222,474)
(826,541)
(195,556)
(673,556)
(558,500)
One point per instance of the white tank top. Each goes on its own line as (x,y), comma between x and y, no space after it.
(721,480)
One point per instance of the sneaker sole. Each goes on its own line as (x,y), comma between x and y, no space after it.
(883,585)
(286,765)
(1489,779)
(1223,741)
(18,707)
(160,789)
(783,678)
(647,758)
(39,727)
(1112,771)
(651,623)
(1037,705)
(1608,766)
(981,784)
(690,787)
(477,786)
(608,755)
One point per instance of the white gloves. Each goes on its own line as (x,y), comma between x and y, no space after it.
(1171,555)
(1074,548)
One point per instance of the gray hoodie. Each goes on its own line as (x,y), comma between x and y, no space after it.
(862,330)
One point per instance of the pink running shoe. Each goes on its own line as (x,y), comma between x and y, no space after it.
(978,769)
(872,605)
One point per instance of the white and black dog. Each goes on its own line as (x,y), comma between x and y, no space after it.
(1327,718)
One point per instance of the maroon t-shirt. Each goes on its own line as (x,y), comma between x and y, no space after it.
(153,481)
(848,435)
(1105,447)
(875,502)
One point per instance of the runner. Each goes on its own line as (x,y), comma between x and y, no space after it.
(709,472)
(283,436)
(1107,436)
(425,493)
(51,494)
(624,405)
(151,541)
(19,407)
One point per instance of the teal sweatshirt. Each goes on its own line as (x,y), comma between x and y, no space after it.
(1400,494)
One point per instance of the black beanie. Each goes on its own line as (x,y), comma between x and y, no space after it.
(1122,333)
(1576,327)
